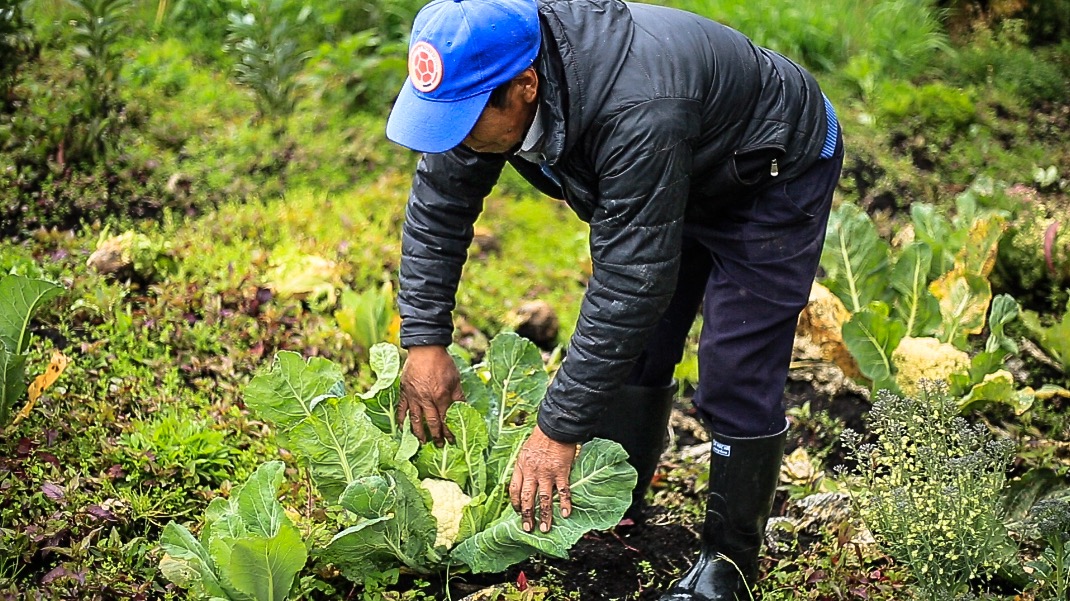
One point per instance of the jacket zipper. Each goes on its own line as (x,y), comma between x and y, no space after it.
(774,170)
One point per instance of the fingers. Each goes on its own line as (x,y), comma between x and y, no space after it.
(546,504)
(417,415)
(402,412)
(533,496)
(434,424)
(564,495)
(527,503)
(514,488)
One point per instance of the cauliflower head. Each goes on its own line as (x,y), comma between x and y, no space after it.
(447,502)
(926,358)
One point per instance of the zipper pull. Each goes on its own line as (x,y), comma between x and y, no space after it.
(774,170)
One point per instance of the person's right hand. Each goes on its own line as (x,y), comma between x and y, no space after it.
(430,383)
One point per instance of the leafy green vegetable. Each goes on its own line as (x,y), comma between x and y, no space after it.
(20,297)
(12,381)
(364,462)
(292,389)
(935,230)
(1055,338)
(406,535)
(249,549)
(596,481)
(855,258)
(915,305)
(905,302)
(997,348)
(999,387)
(368,317)
(871,337)
(964,298)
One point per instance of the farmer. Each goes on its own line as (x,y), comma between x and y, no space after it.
(705,167)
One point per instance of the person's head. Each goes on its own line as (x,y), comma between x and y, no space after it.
(509,111)
(461,54)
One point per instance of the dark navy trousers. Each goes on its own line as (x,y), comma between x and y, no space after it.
(751,274)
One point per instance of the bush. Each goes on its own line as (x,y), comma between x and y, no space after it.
(16,46)
(937,108)
(266,44)
(897,36)
(1002,57)
(931,489)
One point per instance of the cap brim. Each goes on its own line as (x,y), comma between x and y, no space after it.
(432,126)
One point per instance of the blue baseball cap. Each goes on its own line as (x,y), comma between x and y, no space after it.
(460,50)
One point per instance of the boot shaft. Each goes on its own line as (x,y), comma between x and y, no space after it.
(743,478)
(638,419)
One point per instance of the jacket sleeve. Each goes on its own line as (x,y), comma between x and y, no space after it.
(446,198)
(643,162)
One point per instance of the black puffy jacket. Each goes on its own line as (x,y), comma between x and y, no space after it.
(657,117)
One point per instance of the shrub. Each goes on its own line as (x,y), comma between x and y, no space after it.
(16,44)
(97,120)
(936,108)
(897,36)
(930,490)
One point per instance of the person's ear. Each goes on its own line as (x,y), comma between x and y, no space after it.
(527,85)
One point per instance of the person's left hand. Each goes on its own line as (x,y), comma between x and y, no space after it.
(542,466)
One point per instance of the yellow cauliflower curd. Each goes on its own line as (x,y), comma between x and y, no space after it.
(926,358)
(447,502)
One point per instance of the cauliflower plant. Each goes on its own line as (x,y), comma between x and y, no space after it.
(447,502)
(926,358)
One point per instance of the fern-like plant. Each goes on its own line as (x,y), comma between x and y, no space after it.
(265,42)
(94,129)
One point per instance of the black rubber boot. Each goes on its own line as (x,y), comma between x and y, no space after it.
(639,421)
(743,479)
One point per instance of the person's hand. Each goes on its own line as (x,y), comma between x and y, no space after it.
(430,383)
(542,466)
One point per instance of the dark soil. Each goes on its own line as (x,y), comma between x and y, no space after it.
(634,563)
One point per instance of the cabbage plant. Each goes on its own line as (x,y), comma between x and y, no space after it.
(933,288)
(249,550)
(370,470)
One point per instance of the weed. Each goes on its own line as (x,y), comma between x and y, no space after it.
(369,317)
(94,130)
(840,564)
